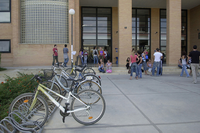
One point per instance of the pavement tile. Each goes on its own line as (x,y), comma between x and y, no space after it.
(181,128)
(117,129)
(169,107)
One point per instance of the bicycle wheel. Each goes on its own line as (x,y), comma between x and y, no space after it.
(71,73)
(95,111)
(64,82)
(88,71)
(89,85)
(35,118)
(92,77)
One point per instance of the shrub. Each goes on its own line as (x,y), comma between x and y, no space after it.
(13,87)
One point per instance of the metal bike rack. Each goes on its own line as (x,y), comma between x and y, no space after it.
(10,125)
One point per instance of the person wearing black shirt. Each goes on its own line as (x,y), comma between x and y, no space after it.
(194,55)
(139,62)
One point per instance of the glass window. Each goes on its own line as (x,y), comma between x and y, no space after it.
(44,22)
(104,42)
(4,11)
(141,36)
(5,46)
(87,42)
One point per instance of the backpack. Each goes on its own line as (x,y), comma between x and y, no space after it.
(95,52)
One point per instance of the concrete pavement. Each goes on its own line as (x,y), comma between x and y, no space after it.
(165,104)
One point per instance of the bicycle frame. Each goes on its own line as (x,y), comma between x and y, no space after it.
(42,88)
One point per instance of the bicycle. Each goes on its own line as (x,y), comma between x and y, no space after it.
(81,107)
(79,84)
(81,76)
(81,69)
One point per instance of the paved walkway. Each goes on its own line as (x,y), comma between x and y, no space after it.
(165,104)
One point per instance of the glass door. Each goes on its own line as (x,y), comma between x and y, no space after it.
(96,29)
(141,25)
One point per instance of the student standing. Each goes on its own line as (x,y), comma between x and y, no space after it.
(85,57)
(95,56)
(183,63)
(157,58)
(101,54)
(194,56)
(65,55)
(139,62)
(55,55)
(133,59)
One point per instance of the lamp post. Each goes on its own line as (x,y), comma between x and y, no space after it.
(72,12)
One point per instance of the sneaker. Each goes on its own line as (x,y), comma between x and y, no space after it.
(194,82)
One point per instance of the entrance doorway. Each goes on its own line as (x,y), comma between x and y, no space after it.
(141,26)
(96,30)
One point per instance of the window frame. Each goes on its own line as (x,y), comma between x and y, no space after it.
(9,45)
(7,11)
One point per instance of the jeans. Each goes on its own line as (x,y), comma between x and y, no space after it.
(55,58)
(81,59)
(144,64)
(134,67)
(85,60)
(156,65)
(140,70)
(101,70)
(66,61)
(95,59)
(184,68)
(194,67)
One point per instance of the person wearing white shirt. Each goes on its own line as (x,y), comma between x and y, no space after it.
(157,58)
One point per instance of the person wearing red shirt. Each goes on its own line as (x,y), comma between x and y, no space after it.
(55,55)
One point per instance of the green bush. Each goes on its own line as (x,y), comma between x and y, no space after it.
(13,87)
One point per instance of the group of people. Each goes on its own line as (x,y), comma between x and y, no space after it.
(100,57)
(65,55)
(140,59)
(193,60)
(137,60)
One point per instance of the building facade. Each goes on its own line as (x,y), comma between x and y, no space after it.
(30,28)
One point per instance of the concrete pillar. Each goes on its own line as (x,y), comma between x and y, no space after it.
(115,35)
(155,29)
(189,48)
(173,48)
(125,29)
(15,20)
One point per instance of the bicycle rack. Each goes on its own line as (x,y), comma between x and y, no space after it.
(9,125)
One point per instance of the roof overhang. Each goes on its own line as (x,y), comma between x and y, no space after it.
(186,4)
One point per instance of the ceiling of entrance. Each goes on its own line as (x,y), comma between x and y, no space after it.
(186,4)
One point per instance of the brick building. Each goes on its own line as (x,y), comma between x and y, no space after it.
(30,28)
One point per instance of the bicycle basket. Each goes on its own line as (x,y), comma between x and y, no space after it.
(48,74)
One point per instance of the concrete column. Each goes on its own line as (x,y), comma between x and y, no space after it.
(189,48)
(173,48)
(15,20)
(155,29)
(125,29)
(115,35)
